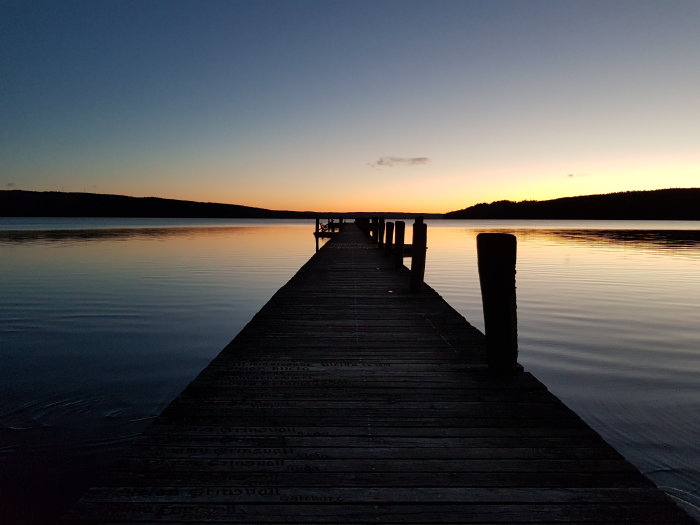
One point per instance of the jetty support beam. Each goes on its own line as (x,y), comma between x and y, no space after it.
(399,236)
(496,258)
(389,242)
(420,238)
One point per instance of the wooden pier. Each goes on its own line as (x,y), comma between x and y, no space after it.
(350,398)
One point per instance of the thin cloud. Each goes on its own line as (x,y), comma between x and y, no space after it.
(572,175)
(10,185)
(389,162)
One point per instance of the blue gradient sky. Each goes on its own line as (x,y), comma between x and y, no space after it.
(353,105)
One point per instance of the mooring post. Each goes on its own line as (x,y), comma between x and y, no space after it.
(496,255)
(374,228)
(420,238)
(380,232)
(363,223)
(317,225)
(400,232)
(389,243)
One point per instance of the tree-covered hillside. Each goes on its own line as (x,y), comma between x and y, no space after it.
(677,203)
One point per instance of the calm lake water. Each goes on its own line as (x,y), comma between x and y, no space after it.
(104,321)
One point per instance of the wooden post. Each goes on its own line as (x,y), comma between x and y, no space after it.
(317,225)
(496,255)
(400,228)
(373,228)
(389,243)
(380,232)
(420,238)
(363,224)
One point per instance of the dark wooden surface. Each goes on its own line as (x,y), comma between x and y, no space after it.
(349,399)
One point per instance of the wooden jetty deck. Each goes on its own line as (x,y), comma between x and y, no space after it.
(350,399)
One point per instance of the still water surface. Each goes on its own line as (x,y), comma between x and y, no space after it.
(106,320)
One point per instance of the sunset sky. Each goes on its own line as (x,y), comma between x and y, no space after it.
(351,105)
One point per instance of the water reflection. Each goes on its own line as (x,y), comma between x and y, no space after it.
(102,326)
(656,239)
(116,234)
(660,241)
(20,236)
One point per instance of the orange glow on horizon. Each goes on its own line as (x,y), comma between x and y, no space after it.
(420,190)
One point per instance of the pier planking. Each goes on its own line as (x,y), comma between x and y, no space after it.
(350,398)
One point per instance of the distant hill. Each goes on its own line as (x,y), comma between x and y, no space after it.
(18,203)
(670,204)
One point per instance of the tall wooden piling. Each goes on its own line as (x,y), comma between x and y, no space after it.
(363,225)
(420,237)
(389,242)
(496,256)
(380,232)
(399,235)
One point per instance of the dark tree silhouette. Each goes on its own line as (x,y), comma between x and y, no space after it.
(676,204)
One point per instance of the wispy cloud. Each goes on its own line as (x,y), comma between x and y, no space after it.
(389,162)
(572,175)
(10,185)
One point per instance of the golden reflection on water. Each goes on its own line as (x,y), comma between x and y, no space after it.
(262,235)
(210,232)
(646,239)
(168,244)
(534,241)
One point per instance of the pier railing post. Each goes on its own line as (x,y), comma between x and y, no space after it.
(420,238)
(389,242)
(380,232)
(363,224)
(374,228)
(496,256)
(399,235)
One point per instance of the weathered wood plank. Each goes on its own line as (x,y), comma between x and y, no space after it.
(552,480)
(339,420)
(360,442)
(310,466)
(379,513)
(250,431)
(224,494)
(198,451)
